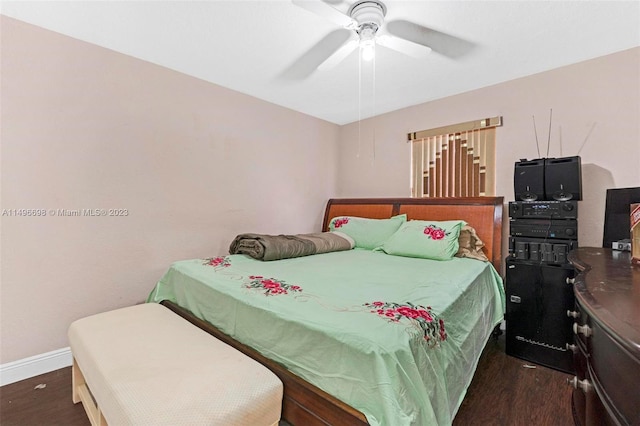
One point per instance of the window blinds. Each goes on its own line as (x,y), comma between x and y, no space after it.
(454,161)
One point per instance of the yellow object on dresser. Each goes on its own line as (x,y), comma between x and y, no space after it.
(145,365)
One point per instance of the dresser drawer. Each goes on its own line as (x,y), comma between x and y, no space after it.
(615,374)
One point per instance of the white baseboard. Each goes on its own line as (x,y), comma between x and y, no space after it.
(26,368)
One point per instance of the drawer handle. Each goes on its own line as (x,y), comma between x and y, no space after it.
(573,314)
(584,385)
(582,329)
(572,348)
(571,280)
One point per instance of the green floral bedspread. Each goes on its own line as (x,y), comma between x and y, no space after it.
(397,338)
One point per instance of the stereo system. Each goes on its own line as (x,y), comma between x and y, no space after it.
(543,229)
(558,179)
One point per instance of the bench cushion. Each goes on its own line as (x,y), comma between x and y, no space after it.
(146,365)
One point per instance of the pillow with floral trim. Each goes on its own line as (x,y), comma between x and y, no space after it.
(470,245)
(437,240)
(367,233)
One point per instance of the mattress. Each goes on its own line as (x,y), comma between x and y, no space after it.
(396,338)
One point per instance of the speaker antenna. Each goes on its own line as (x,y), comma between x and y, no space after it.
(586,138)
(535,131)
(549,138)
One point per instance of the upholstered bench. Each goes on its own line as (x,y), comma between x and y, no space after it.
(145,365)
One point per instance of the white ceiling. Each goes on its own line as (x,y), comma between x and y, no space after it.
(261,47)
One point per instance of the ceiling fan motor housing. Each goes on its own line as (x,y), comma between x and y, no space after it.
(368,13)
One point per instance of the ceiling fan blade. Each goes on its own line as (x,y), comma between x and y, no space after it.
(339,55)
(321,52)
(444,44)
(405,46)
(323,9)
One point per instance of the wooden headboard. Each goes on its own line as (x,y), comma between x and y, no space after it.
(483,213)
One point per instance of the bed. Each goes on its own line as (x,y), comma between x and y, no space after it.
(357,336)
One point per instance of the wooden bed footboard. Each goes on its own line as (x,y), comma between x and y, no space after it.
(306,404)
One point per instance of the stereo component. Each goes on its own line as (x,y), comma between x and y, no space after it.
(546,179)
(543,209)
(522,250)
(560,252)
(528,180)
(532,250)
(544,228)
(563,178)
(538,298)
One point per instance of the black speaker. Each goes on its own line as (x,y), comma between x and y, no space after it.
(563,178)
(528,180)
(538,328)
(617,223)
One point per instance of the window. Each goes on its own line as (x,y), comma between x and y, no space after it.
(454,161)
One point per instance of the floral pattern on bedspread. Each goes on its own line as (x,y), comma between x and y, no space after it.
(431,327)
(416,317)
(218,262)
(271,286)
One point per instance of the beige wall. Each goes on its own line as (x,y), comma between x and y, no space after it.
(596,113)
(193,163)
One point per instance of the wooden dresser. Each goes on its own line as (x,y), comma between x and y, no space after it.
(607,338)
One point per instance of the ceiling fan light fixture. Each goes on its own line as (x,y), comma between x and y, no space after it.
(368,50)
(367,33)
(369,15)
(368,12)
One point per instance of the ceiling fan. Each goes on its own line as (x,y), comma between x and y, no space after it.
(363,25)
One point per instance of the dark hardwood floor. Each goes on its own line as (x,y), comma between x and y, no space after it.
(503,392)
(27,403)
(506,391)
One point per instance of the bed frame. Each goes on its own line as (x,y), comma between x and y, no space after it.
(304,403)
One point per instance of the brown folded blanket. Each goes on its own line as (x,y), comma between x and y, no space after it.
(276,247)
